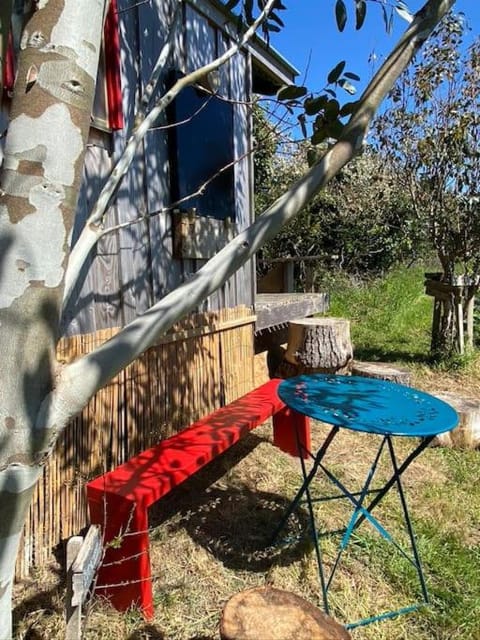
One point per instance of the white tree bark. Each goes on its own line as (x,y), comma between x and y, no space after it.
(16,487)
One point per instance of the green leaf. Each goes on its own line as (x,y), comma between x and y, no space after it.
(332,110)
(248,7)
(314,105)
(335,129)
(319,136)
(341,14)
(231,4)
(336,72)
(303,126)
(347,86)
(360,13)
(311,157)
(390,23)
(351,76)
(385,18)
(275,18)
(348,108)
(291,92)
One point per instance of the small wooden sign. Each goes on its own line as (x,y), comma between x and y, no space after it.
(200,237)
(85,565)
(83,557)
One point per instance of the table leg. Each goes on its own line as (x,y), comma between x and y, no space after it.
(358,510)
(397,473)
(408,522)
(307,478)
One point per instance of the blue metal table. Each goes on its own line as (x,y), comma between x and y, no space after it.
(375,407)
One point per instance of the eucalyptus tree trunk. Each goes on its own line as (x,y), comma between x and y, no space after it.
(44,152)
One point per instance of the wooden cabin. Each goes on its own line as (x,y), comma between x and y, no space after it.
(207,359)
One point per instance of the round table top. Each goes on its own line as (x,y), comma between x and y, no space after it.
(368,404)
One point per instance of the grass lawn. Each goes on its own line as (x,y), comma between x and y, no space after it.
(209,536)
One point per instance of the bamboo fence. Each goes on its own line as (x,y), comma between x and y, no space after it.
(202,363)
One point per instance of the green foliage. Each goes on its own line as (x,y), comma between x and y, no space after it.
(431,132)
(360,7)
(327,123)
(266,141)
(390,316)
(361,221)
(248,11)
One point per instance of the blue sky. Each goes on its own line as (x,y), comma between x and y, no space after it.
(310,38)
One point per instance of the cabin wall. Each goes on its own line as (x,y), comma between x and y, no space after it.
(135,266)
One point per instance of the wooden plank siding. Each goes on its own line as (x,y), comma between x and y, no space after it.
(166,272)
(135,266)
(96,301)
(134,241)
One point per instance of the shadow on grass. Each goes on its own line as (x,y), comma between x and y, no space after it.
(147,632)
(44,603)
(236,526)
(234,523)
(394,356)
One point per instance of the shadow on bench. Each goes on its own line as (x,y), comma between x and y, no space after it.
(119,499)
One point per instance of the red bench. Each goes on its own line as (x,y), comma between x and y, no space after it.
(119,499)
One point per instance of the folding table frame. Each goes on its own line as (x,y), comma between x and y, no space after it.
(369,406)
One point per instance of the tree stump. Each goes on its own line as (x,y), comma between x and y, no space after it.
(381,371)
(467,434)
(318,345)
(265,613)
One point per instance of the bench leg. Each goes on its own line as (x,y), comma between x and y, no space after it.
(291,432)
(124,577)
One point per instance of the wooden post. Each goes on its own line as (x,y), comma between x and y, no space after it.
(437,314)
(83,558)
(459,323)
(453,303)
(469,313)
(73,614)
(289,277)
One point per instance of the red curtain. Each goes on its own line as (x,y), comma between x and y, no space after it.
(111,38)
(112,63)
(9,66)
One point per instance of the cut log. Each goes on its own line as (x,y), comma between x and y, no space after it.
(272,614)
(320,345)
(381,371)
(467,434)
